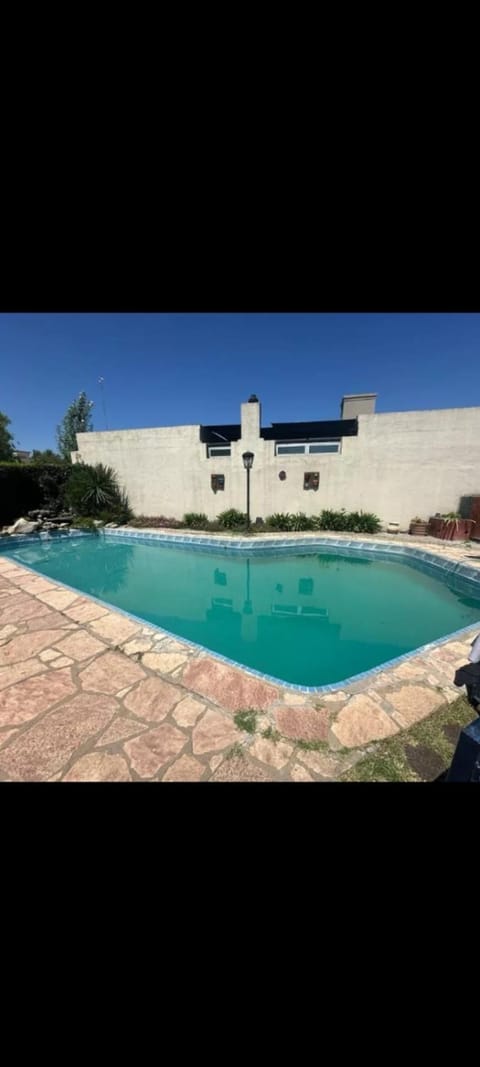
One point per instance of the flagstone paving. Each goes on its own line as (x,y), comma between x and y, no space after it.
(87,694)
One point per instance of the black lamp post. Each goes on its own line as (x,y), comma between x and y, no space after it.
(248,458)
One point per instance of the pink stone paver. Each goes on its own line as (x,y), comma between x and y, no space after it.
(25,700)
(79,645)
(213,733)
(188,711)
(274,754)
(18,671)
(165,662)
(59,599)
(185,769)
(413,703)
(50,743)
(153,749)
(85,611)
(138,645)
(362,721)
(36,585)
(121,730)
(21,648)
(5,734)
(153,699)
(21,608)
(227,686)
(300,774)
(326,764)
(114,628)
(241,769)
(110,672)
(303,724)
(51,620)
(99,767)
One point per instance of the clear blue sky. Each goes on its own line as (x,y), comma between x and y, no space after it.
(162,370)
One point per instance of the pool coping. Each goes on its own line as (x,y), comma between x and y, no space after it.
(258,546)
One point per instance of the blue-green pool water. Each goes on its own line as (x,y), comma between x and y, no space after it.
(311,619)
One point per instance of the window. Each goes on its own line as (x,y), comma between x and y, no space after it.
(218,450)
(325,446)
(299,609)
(301,448)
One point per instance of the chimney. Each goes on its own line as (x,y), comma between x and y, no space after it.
(250,414)
(357,404)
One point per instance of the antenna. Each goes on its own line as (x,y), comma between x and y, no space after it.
(101,382)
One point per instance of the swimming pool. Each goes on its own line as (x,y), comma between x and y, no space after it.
(309,615)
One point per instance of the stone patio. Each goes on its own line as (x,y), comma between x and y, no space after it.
(87,694)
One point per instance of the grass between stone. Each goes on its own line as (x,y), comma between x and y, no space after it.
(313,746)
(416,755)
(270,734)
(246,720)
(235,751)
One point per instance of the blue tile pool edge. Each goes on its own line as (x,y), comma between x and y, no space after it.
(405,550)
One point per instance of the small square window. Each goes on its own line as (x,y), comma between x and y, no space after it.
(218,482)
(305,586)
(311,480)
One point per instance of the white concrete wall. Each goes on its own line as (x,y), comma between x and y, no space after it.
(401,465)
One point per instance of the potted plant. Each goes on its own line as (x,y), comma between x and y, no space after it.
(451,527)
(418,527)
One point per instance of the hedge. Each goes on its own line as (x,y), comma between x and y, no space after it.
(26,486)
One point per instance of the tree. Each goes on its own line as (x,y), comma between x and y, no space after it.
(6,439)
(77,419)
(47,456)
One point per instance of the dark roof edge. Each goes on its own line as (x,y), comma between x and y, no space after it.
(282,431)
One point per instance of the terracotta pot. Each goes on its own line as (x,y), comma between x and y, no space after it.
(419,529)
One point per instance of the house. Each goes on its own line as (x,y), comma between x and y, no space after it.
(22,456)
(396,464)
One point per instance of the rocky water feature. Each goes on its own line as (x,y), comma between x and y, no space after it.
(39,521)
(44,520)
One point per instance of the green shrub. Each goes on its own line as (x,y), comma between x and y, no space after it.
(84,522)
(356,521)
(300,521)
(285,521)
(364,522)
(231,518)
(120,512)
(196,520)
(91,490)
(334,520)
(279,521)
(25,487)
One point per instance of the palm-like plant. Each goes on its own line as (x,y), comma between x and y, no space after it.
(92,489)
